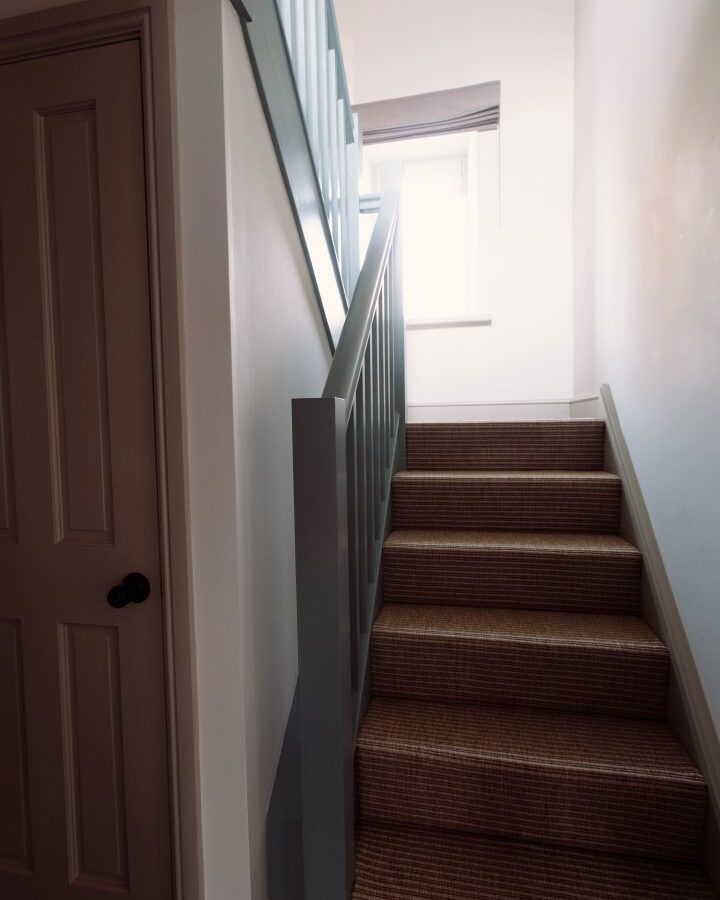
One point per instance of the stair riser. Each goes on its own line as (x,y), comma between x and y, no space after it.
(647,816)
(406,864)
(588,507)
(577,679)
(506,446)
(508,578)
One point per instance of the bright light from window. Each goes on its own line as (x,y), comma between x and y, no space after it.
(448,188)
(435,246)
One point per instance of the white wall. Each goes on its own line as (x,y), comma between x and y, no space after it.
(412,46)
(210,434)
(253,340)
(648,273)
(280,351)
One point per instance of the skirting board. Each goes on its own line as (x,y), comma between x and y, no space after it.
(538,410)
(689,713)
(587,408)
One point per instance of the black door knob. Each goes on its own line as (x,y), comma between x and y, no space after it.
(135,588)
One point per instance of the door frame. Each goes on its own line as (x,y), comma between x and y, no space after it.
(94,23)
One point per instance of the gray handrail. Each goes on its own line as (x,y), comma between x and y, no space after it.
(346,446)
(333,130)
(347,364)
(295,53)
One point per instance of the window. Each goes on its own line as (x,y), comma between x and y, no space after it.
(448,186)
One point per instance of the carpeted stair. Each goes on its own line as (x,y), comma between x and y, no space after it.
(515,743)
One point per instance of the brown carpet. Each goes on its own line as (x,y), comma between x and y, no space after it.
(587,502)
(583,662)
(581,573)
(515,745)
(620,785)
(506,445)
(401,863)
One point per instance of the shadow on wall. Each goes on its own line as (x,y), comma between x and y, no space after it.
(680,259)
(648,272)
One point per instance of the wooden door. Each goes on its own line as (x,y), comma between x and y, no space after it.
(83,750)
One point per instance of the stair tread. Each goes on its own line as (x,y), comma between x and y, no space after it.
(573,661)
(403,863)
(462,539)
(477,624)
(623,748)
(581,780)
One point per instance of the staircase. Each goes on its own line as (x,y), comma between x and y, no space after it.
(515,743)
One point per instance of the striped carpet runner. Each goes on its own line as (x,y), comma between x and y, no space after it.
(515,745)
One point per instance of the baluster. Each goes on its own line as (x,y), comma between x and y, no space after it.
(362,498)
(399,386)
(311,77)
(388,380)
(342,195)
(300,52)
(353,199)
(382,356)
(286,17)
(377,424)
(323,103)
(370,470)
(352,508)
(334,162)
(397,329)
(391,319)
(346,197)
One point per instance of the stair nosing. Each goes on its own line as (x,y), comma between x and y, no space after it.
(576,420)
(555,475)
(689,774)
(525,764)
(509,640)
(533,541)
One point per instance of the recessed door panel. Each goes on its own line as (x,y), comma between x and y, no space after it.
(93,756)
(7,476)
(15,843)
(73,300)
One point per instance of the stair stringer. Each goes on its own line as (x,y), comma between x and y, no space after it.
(688,710)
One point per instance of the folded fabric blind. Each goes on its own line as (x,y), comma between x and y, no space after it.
(472,108)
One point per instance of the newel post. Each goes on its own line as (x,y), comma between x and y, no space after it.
(321,528)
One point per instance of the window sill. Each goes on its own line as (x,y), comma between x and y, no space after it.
(457,322)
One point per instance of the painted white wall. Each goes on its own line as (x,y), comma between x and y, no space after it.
(210,436)
(280,351)
(253,340)
(413,46)
(648,273)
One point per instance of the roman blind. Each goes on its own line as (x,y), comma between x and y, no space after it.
(472,108)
